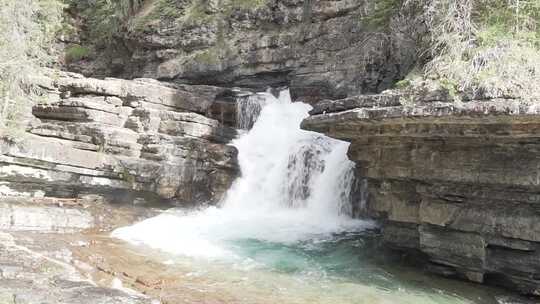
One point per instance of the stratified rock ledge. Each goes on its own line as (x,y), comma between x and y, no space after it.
(456,181)
(132,140)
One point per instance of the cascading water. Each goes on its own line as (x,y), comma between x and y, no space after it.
(287,169)
(295,185)
(285,226)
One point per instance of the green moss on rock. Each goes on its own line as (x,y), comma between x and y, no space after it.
(248,3)
(76,52)
(167,9)
(383,11)
(197,12)
(402,84)
(208,56)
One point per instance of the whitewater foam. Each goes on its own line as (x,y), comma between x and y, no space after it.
(295,185)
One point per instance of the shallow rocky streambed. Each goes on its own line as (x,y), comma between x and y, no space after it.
(92,267)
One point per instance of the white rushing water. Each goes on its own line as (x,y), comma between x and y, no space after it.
(295,186)
(284,233)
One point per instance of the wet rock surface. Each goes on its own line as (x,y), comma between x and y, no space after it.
(29,277)
(139,139)
(456,181)
(79,266)
(37,264)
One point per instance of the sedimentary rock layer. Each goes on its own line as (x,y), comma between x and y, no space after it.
(456,181)
(138,139)
(321,48)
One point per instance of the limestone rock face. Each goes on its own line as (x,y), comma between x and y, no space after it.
(127,139)
(457,181)
(321,49)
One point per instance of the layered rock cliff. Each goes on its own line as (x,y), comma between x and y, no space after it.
(128,140)
(455,181)
(321,49)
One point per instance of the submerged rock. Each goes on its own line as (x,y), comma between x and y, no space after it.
(457,181)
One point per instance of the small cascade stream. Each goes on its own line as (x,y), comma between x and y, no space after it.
(289,171)
(285,230)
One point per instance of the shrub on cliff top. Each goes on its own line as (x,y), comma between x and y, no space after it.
(485,48)
(76,52)
(105,18)
(27,30)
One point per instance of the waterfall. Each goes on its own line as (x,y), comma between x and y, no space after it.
(295,185)
(284,167)
(284,232)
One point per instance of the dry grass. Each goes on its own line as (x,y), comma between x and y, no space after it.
(483,48)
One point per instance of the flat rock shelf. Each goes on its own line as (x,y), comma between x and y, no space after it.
(455,181)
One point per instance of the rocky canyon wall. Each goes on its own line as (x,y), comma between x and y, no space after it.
(456,181)
(131,140)
(320,49)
